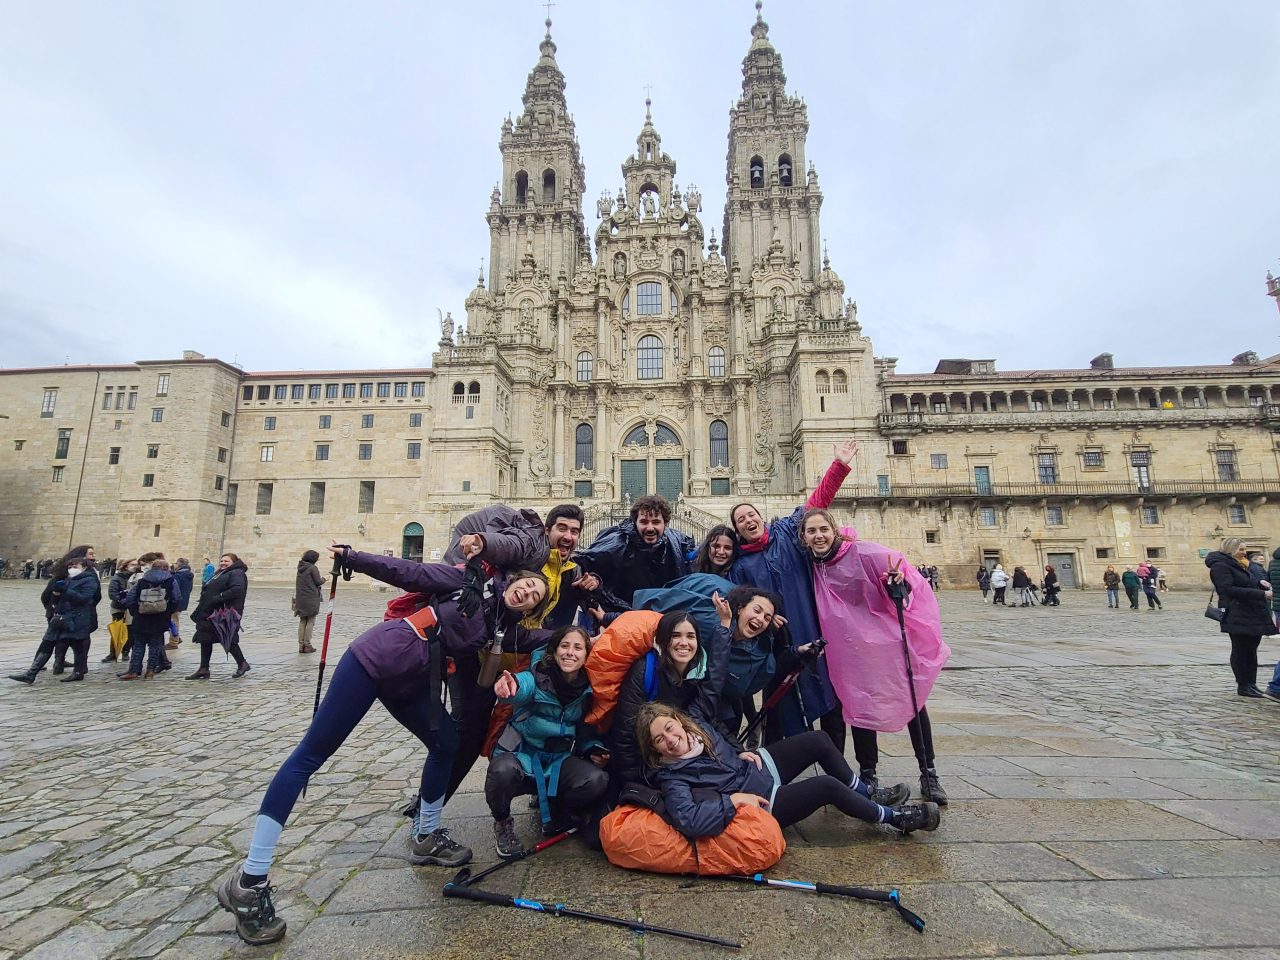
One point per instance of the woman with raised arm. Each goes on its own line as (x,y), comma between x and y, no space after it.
(772,557)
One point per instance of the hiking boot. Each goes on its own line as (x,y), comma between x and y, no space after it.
(26,677)
(127,676)
(199,675)
(931,789)
(306,648)
(894,796)
(508,844)
(149,675)
(73,678)
(559,823)
(437,848)
(241,670)
(917,816)
(256,920)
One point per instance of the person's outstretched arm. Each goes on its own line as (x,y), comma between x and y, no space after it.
(829,486)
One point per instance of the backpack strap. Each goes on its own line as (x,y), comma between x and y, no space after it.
(651,676)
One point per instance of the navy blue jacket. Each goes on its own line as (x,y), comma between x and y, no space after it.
(783,567)
(153,622)
(625,563)
(185,579)
(697,791)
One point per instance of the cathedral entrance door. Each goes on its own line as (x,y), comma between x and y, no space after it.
(634,480)
(669,475)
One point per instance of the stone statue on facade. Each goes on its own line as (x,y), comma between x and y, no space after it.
(446,326)
(650,208)
(693,199)
(779,302)
(620,266)
(677,263)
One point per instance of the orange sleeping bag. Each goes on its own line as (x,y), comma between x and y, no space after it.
(620,645)
(639,839)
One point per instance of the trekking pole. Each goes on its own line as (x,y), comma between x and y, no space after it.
(787,683)
(465,879)
(345,573)
(560,910)
(898,591)
(857,893)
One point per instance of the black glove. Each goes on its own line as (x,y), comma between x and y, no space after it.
(473,581)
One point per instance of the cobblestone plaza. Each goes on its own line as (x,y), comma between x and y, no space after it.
(1110,796)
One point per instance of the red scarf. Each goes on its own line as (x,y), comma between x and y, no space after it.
(758,545)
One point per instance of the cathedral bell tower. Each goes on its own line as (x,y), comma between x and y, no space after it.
(770,202)
(535,214)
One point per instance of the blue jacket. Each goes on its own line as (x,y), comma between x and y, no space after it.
(625,563)
(538,717)
(783,567)
(691,593)
(697,791)
(752,664)
(184,578)
(76,605)
(152,622)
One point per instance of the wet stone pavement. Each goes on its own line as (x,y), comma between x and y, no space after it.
(1111,796)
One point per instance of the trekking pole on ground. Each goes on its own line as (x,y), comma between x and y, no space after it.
(560,910)
(857,893)
(465,879)
(787,683)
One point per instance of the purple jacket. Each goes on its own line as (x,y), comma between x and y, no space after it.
(393,655)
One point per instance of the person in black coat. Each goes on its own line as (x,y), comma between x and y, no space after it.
(71,610)
(1051,586)
(642,553)
(1247,603)
(185,578)
(984,581)
(225,591)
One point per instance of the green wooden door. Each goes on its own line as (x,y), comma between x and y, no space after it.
(634,478)
(670,478)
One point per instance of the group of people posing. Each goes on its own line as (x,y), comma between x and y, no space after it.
(147,598)
(998,582)
(495,651)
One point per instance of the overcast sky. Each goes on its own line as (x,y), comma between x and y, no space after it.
(301,185)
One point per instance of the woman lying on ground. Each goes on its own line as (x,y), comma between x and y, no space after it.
(859,617)
(546,749)
(401,663)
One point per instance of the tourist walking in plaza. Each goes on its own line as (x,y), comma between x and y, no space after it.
(1131,584)
(1148,574)
(152,600)
(1247,608)
(207,572)
(307,597)
(117,593)
(999,583)
(217,615)
(1022,583)
(71,609)
(984,581)
(1111,580)
(1051,586)
(185,579)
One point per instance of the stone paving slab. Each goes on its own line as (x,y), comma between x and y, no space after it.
(1252,819)
(1154,914)
(1162,859)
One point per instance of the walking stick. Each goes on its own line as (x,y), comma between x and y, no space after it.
(345,573)
(465,879)
(560,910)
(898,590)
(857,893)
(787,683)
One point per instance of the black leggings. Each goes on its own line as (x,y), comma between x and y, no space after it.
(579,785)
(795,801)
(1244,659)
(472,706)
(206,653)
(867,750)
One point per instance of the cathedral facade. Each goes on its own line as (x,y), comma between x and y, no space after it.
(647,355)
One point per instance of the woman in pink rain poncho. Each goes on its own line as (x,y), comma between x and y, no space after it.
(864,641)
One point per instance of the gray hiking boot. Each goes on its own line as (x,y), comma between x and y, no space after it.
(438,849)
(893,796)
(508,844)
(256,920)
(931,789)
(917,816)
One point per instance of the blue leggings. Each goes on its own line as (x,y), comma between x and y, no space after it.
(350,695)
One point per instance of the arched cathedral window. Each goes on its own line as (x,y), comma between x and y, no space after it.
(585,364)
(719,443)
(584,448)
(649,354)
(757,172)
(715,361)
(784,170)
(549,186)
(823,380)
(638,437)
(522,187)
(648,298)
(664,436)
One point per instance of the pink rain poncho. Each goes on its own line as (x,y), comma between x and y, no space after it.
(864,642)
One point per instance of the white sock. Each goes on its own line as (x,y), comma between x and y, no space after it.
(266,832)
(429,815)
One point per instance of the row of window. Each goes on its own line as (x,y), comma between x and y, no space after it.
(648,361)
(313,391)
(1055,516)
(315,501)
(364,451)
(663,436)
(326,421)
(1226,462)
(757,171)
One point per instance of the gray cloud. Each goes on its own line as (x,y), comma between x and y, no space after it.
(302,186)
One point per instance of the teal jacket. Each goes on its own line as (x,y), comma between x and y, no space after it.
(543,731)
(1130,580)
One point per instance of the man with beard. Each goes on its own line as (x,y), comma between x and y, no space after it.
(641,553)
